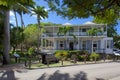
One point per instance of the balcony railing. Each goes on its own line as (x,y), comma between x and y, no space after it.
(72,33)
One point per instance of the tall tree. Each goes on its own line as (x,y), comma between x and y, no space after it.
(31,32)
(63,30)
(6,6)
(41,13)
(16,37)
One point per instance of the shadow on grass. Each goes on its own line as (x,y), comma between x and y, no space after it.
(63,76)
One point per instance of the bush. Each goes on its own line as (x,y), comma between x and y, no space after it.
(94,56)
(80,58)
(74,52)
(61,54)
(31,51)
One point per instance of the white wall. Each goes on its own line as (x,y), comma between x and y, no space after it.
(104,45)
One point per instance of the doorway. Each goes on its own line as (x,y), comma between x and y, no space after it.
(71,45)
(94,45)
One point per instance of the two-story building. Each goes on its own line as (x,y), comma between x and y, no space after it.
(99,43)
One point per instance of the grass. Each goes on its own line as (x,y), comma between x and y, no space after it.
(40,65)
(36,64)
(65,63)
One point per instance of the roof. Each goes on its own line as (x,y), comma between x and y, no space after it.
(67,24)
(90,23)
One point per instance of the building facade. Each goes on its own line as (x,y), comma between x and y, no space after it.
(99,43)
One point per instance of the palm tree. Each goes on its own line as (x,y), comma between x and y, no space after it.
(93,32)
(41,14)
(23,8)
(64,30)
(5,7)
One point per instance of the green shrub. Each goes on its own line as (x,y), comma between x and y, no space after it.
(94,56)
(74,52)
(80,58)
(61,54)
(31,51)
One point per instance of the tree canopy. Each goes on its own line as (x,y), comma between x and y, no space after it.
(107,10)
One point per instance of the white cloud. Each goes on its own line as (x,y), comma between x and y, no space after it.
(11,13)
(12,20)
(12,17)
(35,16)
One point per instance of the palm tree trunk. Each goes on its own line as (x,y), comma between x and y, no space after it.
(62,62)
(6,43)
(22,25)
(16,24)
(22,22)
(38,34)
(16,19)
(92,45)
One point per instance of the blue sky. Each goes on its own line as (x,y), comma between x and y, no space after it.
(53,17)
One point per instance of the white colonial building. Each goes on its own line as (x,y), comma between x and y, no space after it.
(99,43)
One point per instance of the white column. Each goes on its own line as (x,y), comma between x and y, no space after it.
(41,42)
(53,39)
(45,43)
(106,30)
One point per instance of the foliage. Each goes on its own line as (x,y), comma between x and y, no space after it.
(93,31)
(5,6)
(49,24)
(104,11)
(117,41)
(73,52)
(16,36)
(31,32)
(63,30)
(111,31)
(83,55)
(94,56)
(40,12)
(109,17)
(31,51)
(61,54)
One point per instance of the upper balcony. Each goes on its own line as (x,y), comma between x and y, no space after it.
(77,34)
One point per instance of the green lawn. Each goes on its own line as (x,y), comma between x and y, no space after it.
(65,63)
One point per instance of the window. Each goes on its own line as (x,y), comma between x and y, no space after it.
(83,45)
(95,45)
(108,43)
(83,30)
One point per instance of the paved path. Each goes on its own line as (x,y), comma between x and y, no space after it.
(103,71)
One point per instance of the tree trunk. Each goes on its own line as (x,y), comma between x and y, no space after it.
(14,47)
(62,62)
(84,60)
(16,24)
(92,46)
(22,25)
(95,59)
(38,34)
(16,19)
(6,43)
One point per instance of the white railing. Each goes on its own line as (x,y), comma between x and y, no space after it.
(69,34)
